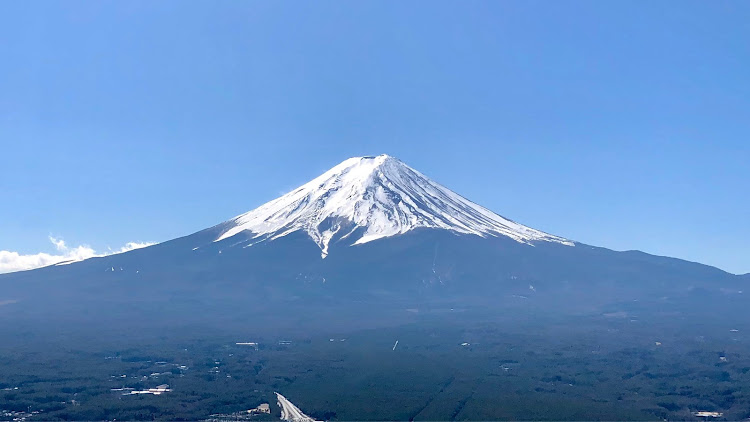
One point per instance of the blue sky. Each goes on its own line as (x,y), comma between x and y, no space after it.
(619,124)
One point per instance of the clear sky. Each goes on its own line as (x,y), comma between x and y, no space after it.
(618,124)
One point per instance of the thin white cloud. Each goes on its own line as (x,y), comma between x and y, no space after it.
(129,247)
(14,261)
(59,243)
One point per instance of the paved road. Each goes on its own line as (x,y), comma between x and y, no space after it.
(290,412)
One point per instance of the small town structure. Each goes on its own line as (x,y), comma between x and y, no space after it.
(263,408)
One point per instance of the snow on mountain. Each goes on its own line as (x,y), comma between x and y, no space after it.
(368,198)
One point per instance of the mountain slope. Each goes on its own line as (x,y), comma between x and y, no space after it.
(369,198)
(392,240)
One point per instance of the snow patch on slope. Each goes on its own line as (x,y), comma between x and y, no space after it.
(369,198)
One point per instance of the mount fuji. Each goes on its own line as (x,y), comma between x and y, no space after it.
(370,233)
(369,198)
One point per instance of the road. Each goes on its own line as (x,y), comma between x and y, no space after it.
(290,412)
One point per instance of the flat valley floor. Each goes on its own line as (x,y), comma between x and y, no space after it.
(448,364)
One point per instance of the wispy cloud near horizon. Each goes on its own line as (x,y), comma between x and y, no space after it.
(13,261)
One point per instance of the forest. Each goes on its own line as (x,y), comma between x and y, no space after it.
(449,365)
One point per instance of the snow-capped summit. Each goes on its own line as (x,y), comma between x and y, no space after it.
(368,198)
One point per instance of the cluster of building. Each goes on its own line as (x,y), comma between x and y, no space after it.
(246,415)
(158,390)
(706,414)
(15,416)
